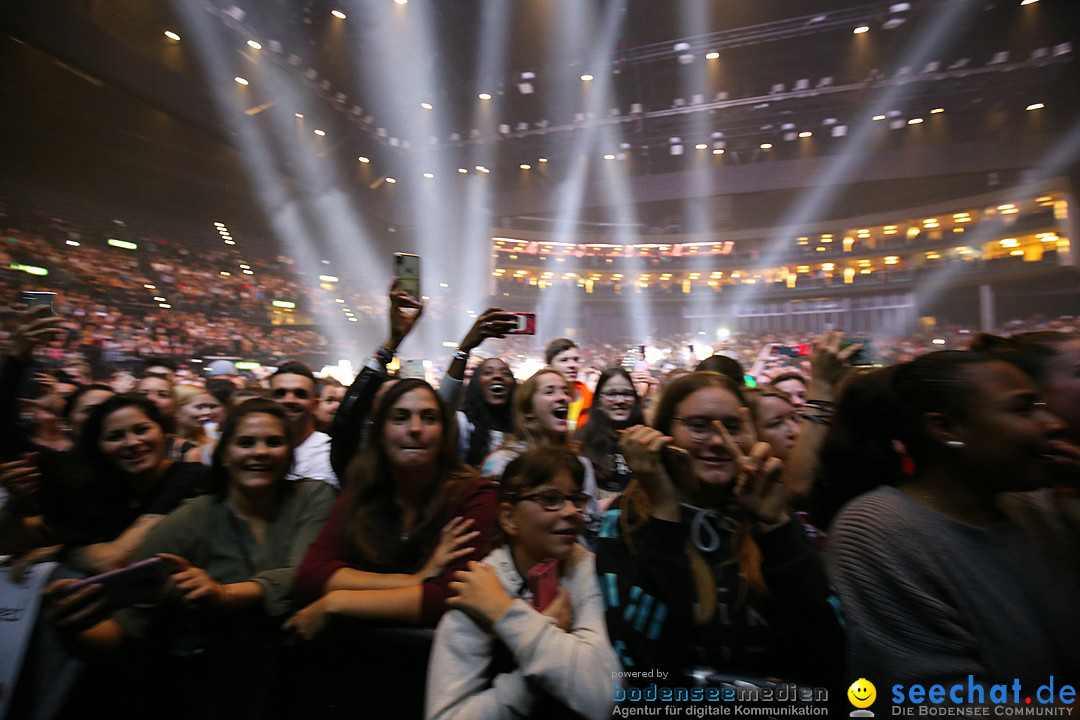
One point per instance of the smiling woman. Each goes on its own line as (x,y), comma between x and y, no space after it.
(967,532)
(702,541)
(133,485)
(231,554)
(557,667)
(616,407)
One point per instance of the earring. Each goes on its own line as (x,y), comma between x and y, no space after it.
(955,444)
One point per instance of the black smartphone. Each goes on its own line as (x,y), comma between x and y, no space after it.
(34,299)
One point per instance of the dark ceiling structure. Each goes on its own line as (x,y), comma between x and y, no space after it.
(698,100)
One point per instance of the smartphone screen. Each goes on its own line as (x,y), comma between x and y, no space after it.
(407,271)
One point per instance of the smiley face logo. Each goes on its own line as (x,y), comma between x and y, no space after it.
(862,693)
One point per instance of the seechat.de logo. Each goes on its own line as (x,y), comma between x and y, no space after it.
(862,694)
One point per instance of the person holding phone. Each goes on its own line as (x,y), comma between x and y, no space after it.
(702,544)
(485,415)
(232,554)
(498,652)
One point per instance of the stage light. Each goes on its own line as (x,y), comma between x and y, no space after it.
(429,175)
(338,14)
(879,117)
(525,166)
(914,121)
(766,146)
(712,56)
(1036,106)
(543,160)
(254,45)
(609,156)
(299,116)
(484,96)
(718,151)
(463,171)
(171,35)
(935,111)
(806,134)
(701,146)
(240,81)
(391,180)
(426,106)
(320,133)
(364,159)
(861,29)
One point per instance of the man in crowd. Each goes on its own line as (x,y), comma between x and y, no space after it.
(564,355)
(293,387)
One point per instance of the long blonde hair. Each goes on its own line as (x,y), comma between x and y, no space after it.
(527,428)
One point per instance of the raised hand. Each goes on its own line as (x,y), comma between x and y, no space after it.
(829,361)
(492,323)
(759,489)
(36,327)
(405,310)
(453,545)
(643,448)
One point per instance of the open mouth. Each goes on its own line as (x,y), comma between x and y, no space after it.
(560,413)
(497,390)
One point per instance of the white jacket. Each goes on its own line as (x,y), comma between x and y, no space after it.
(575,667)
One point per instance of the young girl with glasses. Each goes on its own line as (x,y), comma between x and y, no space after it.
(495,654)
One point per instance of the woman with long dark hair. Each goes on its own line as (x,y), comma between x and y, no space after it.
(232,554)
(616,406)
(410,515)
(486,414)
(133,484)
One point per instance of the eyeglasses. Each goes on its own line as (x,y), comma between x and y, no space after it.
(617,394)
(701,427)
(555,500)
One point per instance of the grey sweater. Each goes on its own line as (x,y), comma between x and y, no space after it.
(929,599)
(575,668)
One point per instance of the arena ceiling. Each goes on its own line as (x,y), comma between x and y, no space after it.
(96,96)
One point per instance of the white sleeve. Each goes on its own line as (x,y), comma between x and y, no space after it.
(576,668)
(458,684)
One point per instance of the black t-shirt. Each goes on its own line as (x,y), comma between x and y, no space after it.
(100,509)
